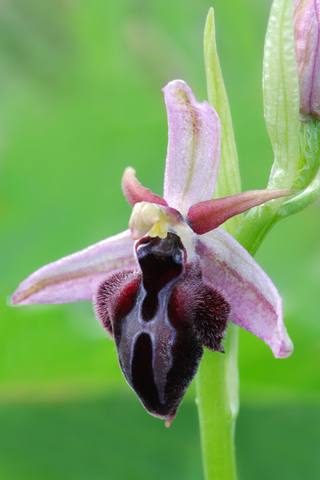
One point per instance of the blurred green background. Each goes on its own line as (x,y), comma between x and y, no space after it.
(80,96)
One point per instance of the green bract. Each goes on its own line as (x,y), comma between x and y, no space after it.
(228,182)
(295,146)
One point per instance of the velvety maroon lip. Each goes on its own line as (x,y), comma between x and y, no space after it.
(161,318)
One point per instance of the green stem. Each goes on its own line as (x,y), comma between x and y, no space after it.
(217,397)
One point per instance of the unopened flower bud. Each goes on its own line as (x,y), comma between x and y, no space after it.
(307,46)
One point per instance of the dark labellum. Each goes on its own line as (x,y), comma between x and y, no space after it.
(161,316)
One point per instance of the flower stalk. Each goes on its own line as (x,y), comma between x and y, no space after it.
(217,400)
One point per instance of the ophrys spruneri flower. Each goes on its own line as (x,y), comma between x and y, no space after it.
(166,287)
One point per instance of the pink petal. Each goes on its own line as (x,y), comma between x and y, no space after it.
(135,192)
(193,149)
(77,276)
(205,216)
(255,302)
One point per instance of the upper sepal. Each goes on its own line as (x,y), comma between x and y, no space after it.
(193,148)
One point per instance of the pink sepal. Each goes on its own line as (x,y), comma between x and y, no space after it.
(255,302)
(193,148)
(77,276)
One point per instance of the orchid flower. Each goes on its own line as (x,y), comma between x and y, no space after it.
(166,287)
